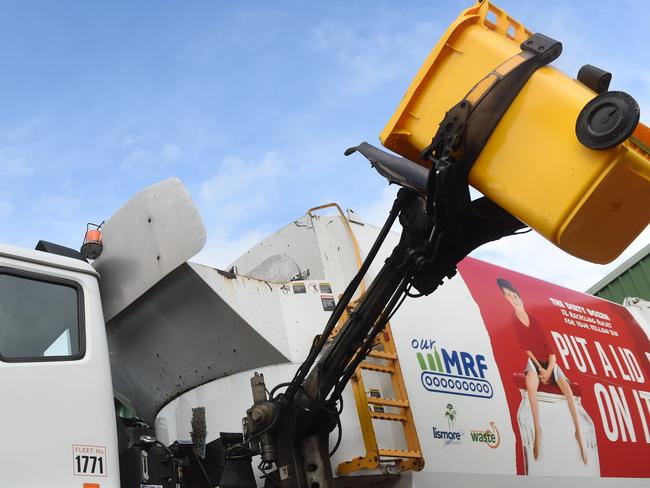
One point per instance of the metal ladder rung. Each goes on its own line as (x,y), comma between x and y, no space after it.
(394,417)
(389,402)
(400,453)
(381,368)
(382,355)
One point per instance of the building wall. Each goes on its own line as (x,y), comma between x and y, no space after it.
(631,279)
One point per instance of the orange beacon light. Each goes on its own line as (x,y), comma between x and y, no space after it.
(92,245)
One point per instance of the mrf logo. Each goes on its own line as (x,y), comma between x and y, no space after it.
(452,372)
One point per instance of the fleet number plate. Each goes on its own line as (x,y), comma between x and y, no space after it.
(88,460)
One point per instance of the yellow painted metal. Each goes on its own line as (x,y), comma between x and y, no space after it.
(393,417)
(386,354)
(371,458)
(407,459)
(382,355)
(533,164)
(471,48)
(641,138)
(400,453)
(381,368)
(389,402)
(399,388)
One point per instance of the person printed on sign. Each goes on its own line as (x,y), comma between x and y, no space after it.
(541,365)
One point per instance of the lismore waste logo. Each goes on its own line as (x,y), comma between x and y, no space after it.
(449,435)
(450,371)
(490,437)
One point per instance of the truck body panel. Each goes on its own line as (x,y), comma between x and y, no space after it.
(488,435)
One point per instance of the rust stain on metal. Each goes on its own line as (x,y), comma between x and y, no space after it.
(227,274)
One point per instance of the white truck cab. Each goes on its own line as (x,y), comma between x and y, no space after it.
(57,416)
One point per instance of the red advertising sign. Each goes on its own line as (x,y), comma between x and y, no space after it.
(575,370)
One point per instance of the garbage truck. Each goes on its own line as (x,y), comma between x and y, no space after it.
(329,354)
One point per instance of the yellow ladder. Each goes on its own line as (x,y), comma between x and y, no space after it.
(383,360)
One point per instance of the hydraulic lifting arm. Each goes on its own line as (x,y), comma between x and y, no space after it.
(440,226)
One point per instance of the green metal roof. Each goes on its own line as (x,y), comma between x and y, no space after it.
(631,279)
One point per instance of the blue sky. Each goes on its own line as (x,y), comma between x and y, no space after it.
(250,104)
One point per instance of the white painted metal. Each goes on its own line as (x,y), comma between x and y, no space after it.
(46,259)
(183,333)
(288,320)
(296,240)
(56,405)
(156,231)
(450,317)
(47,407)
(640,310)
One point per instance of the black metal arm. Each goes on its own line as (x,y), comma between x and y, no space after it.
(440,226)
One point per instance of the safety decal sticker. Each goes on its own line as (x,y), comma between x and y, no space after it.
(325,288)
(89,460)
(328,302)
(299,288)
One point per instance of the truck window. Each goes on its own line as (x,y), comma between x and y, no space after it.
(41,318)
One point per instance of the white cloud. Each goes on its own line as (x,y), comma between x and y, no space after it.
(134,138)
(18,147)
(231,199)
(6,209)
(24,130)
(170,152)
(137,157)
(533,255)
(14,165)
(67,203)
(240,186)
(371,58)
(376,211)
(142,154)
(644,96)
(222,249)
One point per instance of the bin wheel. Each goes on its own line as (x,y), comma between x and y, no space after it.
(607,120)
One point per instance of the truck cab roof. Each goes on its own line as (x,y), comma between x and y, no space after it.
(46,259)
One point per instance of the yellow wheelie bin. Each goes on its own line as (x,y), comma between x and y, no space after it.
(547,161)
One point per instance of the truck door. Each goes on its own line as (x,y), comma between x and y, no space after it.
(57,418)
